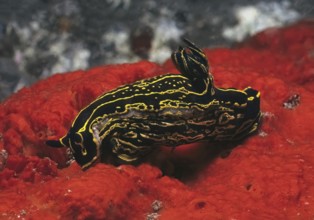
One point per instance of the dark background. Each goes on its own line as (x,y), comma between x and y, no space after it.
(42,37)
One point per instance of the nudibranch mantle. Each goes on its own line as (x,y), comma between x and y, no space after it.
(166,110)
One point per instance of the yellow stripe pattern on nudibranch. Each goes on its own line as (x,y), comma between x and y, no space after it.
(166,110)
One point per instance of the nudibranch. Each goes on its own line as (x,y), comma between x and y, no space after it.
(166,110)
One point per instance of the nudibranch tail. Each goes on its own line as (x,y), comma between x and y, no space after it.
(62,142)
(54,143)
